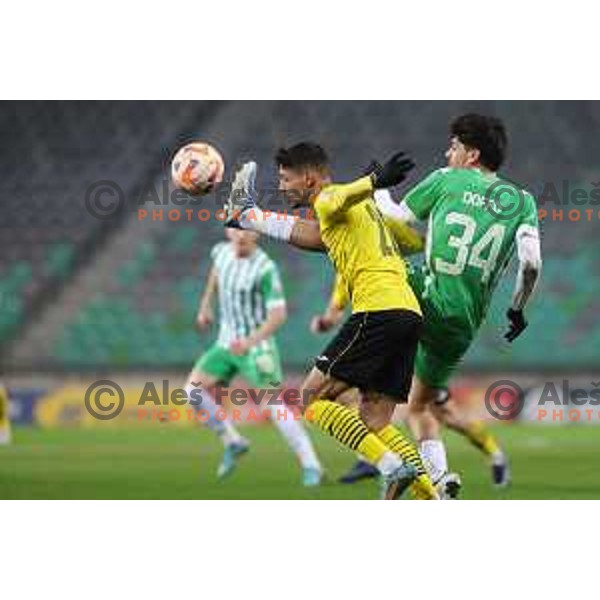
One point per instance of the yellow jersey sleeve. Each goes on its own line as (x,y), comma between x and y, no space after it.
(363,249)
(409,241)
(339,198)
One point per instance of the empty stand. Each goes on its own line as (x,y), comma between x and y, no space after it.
(144,315)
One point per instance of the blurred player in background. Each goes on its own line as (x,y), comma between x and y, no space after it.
(251,308)
(375,349)
(472,235)
(5,436)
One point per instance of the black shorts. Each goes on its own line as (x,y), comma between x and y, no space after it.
(375,351)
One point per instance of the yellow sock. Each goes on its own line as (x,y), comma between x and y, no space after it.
(479,436)
(422,488)
(346,427)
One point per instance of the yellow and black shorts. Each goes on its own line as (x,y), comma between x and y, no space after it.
(375,352)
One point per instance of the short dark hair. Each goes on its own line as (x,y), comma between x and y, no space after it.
(302,156)
(484,133)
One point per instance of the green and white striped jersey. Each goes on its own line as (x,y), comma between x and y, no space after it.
(248,288)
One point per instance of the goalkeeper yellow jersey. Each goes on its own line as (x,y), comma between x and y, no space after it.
(362,249)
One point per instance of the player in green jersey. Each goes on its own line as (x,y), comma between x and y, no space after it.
(252,307)
(476,220)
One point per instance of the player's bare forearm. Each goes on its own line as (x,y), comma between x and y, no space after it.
(530,266)
(209,290)
(527,278)
(275,319)
(334,312)
(205,316)
(329,319)
(306,235)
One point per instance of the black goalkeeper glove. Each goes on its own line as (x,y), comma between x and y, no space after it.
(518,324)
(393,172)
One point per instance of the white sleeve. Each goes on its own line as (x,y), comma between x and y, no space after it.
(528,246)
(530,265)
(389,208)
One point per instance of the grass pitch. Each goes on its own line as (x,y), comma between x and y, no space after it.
(174,463)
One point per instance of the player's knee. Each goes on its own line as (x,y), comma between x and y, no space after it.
(416,407)
(200,379)
(376,416)
(375,422)
(349,398)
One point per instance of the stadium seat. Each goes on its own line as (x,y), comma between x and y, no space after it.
(145,315)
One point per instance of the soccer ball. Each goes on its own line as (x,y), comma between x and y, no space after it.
(197,168)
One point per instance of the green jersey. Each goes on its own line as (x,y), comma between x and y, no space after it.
(474,219)
(248,288)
